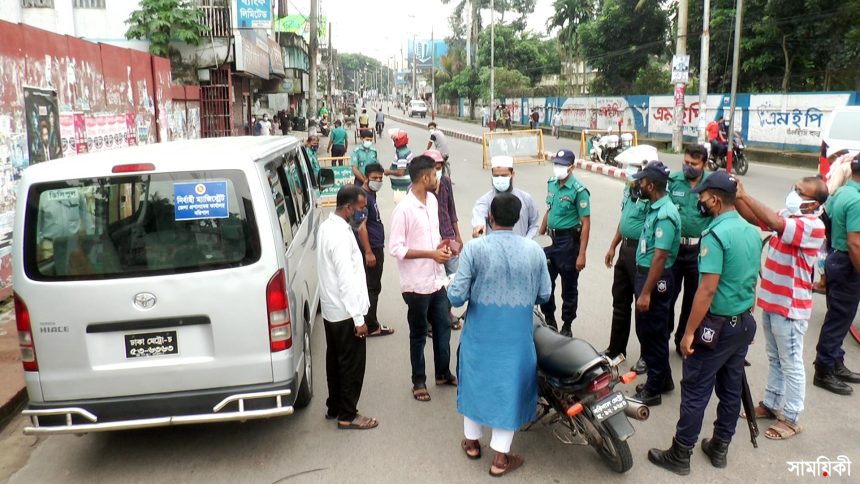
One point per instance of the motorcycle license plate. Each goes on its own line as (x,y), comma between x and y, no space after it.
(608,406)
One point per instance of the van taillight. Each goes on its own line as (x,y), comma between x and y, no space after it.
(823,162)
(25,335)
(280,333)
(133,167)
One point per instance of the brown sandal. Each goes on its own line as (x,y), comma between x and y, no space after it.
(782,430)
(451,380)
(512,463)
(761,412)
(421,394)
(472,448)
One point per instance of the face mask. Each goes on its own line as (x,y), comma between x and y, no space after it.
(793,202)
(690,173)
(703,209)
(374,185)
(502,183)
(560,172)
(314,148)
(357,218)
(368,144)
(438,175)
(636,192)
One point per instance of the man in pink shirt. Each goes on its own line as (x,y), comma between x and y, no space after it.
(420,253)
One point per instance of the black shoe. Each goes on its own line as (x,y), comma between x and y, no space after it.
(675,459)
(552,324)
(565,330)
(845,374)
(640,367)
(648,398)
(828,380)
(667,387)
(717,450)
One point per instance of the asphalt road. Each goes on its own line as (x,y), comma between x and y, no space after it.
(419,442)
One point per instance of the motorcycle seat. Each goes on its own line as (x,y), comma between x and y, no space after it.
(562,357)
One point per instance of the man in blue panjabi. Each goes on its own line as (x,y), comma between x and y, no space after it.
(502,276)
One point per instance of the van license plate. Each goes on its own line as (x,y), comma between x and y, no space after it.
(151,344)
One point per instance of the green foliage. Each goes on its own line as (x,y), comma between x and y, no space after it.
(354,65)
(161,21)
(509,82)
(522,51)
(653,78)
(569,16)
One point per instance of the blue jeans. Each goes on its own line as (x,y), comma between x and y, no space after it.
(432,309)
(786,380)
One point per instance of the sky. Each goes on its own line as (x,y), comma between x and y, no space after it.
(380,28)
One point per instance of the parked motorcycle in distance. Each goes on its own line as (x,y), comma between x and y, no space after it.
(739,161)
(577,397)
(604,147)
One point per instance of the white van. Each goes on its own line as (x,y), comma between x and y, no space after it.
(167,284)
(840,131)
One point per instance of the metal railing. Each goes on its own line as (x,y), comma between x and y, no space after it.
(217,18)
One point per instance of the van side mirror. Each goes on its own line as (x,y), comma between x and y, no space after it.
(326,178)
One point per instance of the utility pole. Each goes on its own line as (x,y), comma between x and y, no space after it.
(680,88)
(492,56)
(330,73)
(703,70)
(432,75)
(736,56)
(414,69)
(314,46)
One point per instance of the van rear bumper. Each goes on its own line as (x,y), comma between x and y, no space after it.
(160,410)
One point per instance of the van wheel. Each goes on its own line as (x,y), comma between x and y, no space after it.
(306,389)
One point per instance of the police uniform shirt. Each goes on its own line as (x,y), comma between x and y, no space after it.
(362,157)
(692,222)
(661,231)
(844,210)
(731,248)
(633,214)
(567,204)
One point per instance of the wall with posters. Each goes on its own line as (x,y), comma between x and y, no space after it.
(61,96)
(791,122)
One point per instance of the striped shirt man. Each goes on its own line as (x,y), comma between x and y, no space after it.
(786,279)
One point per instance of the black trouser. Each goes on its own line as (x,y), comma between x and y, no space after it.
(653,330)
(432,310)
(718,370)
(843,297)
(338,150)
(373,276)
(561,261)
(345,358)
(623,291)
(686,275)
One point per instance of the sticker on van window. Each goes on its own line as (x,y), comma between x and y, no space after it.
(195,201)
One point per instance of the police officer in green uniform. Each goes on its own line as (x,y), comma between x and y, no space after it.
(362,156)
(658,248)
(720,328)
(842,268)
(686,268)
(568,222)
(633,212)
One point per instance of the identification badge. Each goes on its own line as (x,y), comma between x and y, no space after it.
(643,247)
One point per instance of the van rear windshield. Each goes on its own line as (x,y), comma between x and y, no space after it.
(844,126)
(139,225)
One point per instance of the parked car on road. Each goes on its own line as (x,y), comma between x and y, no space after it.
(167,284)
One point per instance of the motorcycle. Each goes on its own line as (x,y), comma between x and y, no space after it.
(604,148)
(324,127)
(739,161)
(576,396)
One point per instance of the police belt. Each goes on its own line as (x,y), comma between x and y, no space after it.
(625,242)
(646,270)
(571,232)
(732,320)
(690,240)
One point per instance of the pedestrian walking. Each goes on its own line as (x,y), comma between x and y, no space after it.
(785,296)
(343,301)
(338,140)
(633,212)
(265,125)
(556,124)
(658,248)
(420,253)
(502,170)
(568,222)
(502,276)
(485,116)
(534,119)
(371,240)
(720,329)
(398,172)
(842,268)
(363,156)
(685,271)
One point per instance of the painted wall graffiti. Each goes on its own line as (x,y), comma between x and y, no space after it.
(796,117)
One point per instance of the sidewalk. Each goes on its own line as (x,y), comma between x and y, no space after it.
(12,392)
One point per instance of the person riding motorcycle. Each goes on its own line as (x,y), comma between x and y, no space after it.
(717,136)
(363,119)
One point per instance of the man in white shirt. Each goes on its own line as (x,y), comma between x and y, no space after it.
(265,126)
(503,177)
(344,302)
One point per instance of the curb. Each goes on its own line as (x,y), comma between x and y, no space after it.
(10,408)
(598,168)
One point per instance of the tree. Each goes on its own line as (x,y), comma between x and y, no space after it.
(521,51)
(509,82)
(569,16)
(467,84)
(160,21)
(354,67)
(458,21)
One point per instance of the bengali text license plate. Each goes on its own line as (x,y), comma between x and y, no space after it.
(151,344)
(609,406)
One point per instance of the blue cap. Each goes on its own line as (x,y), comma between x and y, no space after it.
(720,180)
(654,170)
(564,158)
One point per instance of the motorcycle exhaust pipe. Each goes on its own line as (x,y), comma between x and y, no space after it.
(637,410)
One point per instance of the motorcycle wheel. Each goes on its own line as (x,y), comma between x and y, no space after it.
(615,453)
(741,166)
(712,164)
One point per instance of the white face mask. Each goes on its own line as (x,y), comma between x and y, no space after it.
(374,185)
(502,183)
(438,175)
(368,144)
(794,203)
(560,172)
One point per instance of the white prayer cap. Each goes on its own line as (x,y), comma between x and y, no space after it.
(502,161)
